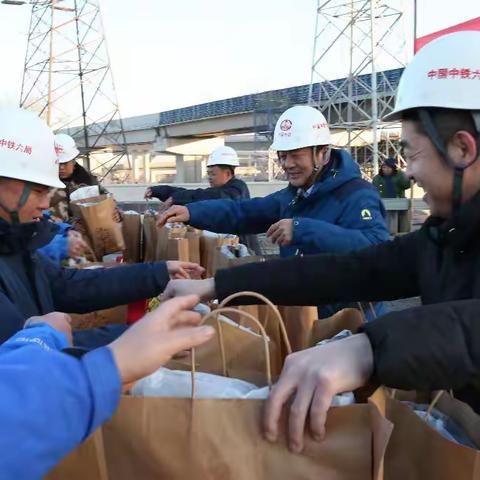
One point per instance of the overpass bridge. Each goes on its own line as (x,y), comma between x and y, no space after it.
(254,113)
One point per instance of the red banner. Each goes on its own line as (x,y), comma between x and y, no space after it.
(473,24)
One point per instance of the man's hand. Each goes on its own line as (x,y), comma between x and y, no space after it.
(76,244)
(185,270)
(205,289)
(57,320)
(164,206)
(281,232)
(151,342)
(311,378)
(175,214)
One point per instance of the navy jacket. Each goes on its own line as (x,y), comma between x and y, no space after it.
(342,212)
(50,402)
(31,284)
(234,189)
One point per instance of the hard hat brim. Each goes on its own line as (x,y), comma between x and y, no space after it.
(47,182)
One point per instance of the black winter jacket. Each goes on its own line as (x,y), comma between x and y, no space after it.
(435,346)
(234,189)
(30,284)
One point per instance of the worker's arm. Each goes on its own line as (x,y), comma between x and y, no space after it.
(183,196)
(381,272)
(235,216)
(360,223)
(428,348)
(425,348)
(82,291)
(50,402)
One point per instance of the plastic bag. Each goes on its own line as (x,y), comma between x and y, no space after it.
(85,192)
(234,251)
(442,423)
(176,383)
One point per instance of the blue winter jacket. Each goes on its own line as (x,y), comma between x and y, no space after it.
(342,212)
(31,284)
(50,402)
(57,249)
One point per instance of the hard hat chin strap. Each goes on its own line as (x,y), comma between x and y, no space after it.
(435,137)
(15,212)
(316,169)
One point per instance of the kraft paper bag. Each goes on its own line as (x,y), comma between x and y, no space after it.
(178,249)
(181,438)
(99,318)
(208,246)
(132,229)
(88,461)
(417,451)
(104,233)
(346,319)
(149,236)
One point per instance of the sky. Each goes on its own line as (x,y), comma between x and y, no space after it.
(168,54)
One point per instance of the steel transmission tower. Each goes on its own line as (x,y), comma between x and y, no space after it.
(362,42)
(68,80)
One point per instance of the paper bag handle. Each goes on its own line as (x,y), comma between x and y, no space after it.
(215,314)
(432,405)
(273,308)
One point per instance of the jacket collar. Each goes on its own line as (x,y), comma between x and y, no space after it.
(340,169)
(461,232)
(26,236)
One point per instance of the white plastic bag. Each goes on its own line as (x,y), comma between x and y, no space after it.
(175,383)
(85,192)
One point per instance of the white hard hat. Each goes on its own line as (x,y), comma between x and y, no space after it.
(27,148)
(223,156)
(300,126)
(443,74)
(65,148)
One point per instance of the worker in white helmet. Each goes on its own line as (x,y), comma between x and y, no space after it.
(327,206)
(73,176)
(221,166)
(29,283)
(53,385)
(434,346)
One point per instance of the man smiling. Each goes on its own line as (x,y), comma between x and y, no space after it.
(326,208)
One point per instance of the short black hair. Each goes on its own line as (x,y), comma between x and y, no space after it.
(447,120)
(226,167)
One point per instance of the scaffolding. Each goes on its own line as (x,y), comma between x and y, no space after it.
(68,80)
(362,42)
(268,107)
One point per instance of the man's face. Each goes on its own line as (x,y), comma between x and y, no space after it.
(66,169)
(217,177)
(10,194)
(298,165)
(387,171)
(428,169)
